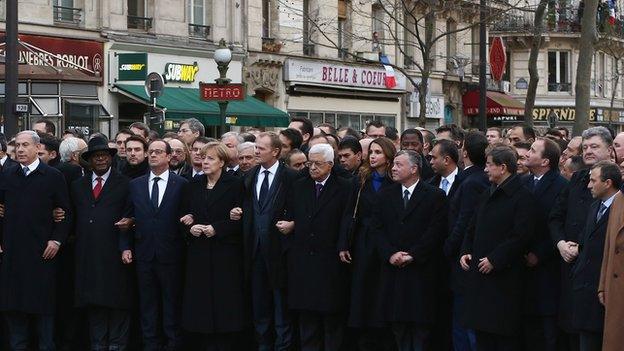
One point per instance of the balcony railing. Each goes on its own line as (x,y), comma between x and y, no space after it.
(560,87)
(271,45)
(308,49)
(141,23)
(67,15)
(199,31)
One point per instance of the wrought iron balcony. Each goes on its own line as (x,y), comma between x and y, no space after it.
(67,15)
(141,23)
(199,31)
(560,87)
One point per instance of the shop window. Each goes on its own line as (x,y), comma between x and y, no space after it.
(47,106)
(72,89)
(559,71)
(266,18)
(378,26)
(387,120)
(22,89)
(349,120)
(330,118)
(316,118)
(44,88)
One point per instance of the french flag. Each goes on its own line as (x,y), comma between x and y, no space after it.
(389,79)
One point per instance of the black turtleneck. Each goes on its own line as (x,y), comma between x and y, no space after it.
(132,172)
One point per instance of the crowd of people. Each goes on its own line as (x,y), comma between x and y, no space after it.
(312,238)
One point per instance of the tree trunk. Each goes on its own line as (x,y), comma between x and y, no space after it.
(617,80)
(422,100)
(589,37)
(533,71)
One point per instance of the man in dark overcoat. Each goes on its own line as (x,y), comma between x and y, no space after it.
(103,281)
(410,224)
(31,239)
(493,255)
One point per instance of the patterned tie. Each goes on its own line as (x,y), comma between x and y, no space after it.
(264,188)
(319,188)
(26,170)
(601,211)
(97,189)
(406,194)
(154,196)
(444,184)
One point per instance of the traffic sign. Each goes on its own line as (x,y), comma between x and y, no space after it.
(498,58)
(221,92)
(154,85)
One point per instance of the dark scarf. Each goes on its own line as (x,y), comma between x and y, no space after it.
(132,172)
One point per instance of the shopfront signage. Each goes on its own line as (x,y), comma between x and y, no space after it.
(221,92)
(132,66)
(40,50)
(305,71)
(179,72)
(498,58)
(564,114)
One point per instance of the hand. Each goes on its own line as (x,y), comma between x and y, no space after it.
(126,257)
(406,259)
(285,227)
(531,259)
(187,219)
(485,266)
(236,213)
(208,230)
(345,256)
(58,214)
(601,297)
(568,250)
(1,249)
(197,230)
(1,210)
(398,258)
(464,262)
(51,250)
(125,223)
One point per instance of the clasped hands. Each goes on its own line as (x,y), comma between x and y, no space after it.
(484,266)
(284,227)
(568,250)
(401,259)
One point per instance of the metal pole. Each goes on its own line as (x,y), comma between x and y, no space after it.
(482,66)
(222,108)
(222,80)
(11,79)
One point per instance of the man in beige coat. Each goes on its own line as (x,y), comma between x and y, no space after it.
(611,288)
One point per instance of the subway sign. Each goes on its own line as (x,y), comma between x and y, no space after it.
(132,66)
(181,73)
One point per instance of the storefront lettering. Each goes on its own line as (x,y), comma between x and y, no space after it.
(564,114)
(177,72)
(131,67)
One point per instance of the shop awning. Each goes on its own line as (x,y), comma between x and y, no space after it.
(182,103)
(498,104)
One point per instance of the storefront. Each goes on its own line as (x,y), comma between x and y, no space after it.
(500,108)
(343,95)
(61,80)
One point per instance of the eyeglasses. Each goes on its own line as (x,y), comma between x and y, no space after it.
(177,151)
(316,164)
(155,151)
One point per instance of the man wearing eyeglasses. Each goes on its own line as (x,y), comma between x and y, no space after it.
(179,157)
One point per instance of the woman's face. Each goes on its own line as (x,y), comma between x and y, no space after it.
(376,157)
(211,163)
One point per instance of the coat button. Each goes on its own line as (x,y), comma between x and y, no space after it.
(617,251)
(615,275)
(90,221)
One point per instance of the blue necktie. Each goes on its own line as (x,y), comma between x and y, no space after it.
(154,196)
(601,211)
(25,170)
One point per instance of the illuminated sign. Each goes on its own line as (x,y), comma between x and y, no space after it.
(178,72)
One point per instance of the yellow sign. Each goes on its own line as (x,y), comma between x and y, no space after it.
(132,67)
(178,72)
(564,114)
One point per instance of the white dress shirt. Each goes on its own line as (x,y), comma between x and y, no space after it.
(197,172)
(32,166)
(323,182)
(609,201)
(260,178)
(162,184)
(450,179)
(3,160)
(104,177)
(410,190)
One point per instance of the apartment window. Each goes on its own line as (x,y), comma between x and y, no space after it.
(64,11)
(474,45)
(266,18)
(378,26)
(451,39)
(559,71)
(342,47)
(600,77)
(136,8)
(197,15)
(137,15)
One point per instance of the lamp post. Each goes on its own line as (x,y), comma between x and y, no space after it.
(222,56)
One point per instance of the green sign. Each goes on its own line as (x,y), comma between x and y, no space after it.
(132,66)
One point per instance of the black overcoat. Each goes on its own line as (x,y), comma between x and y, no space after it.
(101,277)
(213,291)
(500,230)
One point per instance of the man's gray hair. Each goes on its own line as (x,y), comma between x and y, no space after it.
(246,145)
(601,132)
(324,149)
(67,148)
(236,135)
(412,157)
(32,134)
(194,125)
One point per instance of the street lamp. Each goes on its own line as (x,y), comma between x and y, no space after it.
(222,56)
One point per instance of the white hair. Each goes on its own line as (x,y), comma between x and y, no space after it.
(239,138)
(324,149)
(246,145)
(67,148)
(32,134)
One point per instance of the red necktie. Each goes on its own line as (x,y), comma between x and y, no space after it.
(98,188)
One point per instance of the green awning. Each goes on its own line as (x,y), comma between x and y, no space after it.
(182,103)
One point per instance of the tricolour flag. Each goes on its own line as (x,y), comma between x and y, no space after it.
(390,80)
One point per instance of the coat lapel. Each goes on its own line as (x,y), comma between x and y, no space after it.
(145,191)
(329,190)
(414,201)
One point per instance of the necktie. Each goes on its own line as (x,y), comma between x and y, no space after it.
(26,170)
(535,181)
(406,194)
(97,189)
(601,211)
(264,188)
(444,184)
(197,175)
(319,188)
(154,196)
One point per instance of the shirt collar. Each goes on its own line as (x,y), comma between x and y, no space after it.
(410,189)
(609,201)
(272,169)
(195,172)
(4,159)
(324,181)
(164,176)
(32,166)
(235,168)
(103,176)
(451,177)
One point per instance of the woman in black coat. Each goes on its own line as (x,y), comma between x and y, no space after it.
(213,305)
(360,250)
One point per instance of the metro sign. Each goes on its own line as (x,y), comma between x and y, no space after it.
(221,92)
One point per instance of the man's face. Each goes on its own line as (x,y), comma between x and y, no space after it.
(246,159)
(265,153)
(439,163)
(158,157)
(121,144)
(45,155)
(493,137)
(26,151)
(297,161)
(516,135)
(533,157)
(135,153)
(40,127)
(178,153)
(596,185)
(186,134)
(573,148)
(567,171)
(319,168)
(299,126)
(286,145)
(349,160)
(595,150)
(411,142)
(618,146)
(100,162)
(522,156)
(231,143)
(402,170)
(495,172)
(196,157)
(376,132)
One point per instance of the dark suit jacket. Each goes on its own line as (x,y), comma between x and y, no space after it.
(157,233)
(70,171)
(317,279)
(588,312)
(435,182)
(543,282)
(273,250)
(406,293)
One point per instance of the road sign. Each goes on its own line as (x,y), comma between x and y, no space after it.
(221,92)
(154,85)
(498,58)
